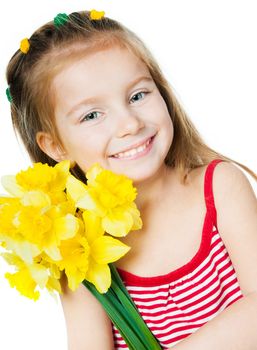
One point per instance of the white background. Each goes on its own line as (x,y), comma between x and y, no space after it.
(207,49)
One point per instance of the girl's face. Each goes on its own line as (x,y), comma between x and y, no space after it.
(109,110)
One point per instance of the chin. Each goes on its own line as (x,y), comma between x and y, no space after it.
(141,177)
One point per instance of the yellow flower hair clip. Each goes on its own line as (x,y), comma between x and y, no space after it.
(24,45)
(96,14)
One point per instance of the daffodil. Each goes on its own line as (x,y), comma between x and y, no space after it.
(103,251)
(39,177)
(53,226)
(10,237)
(8,209)
(54,274)
(87,255)
(74,261)
(110,196)
(27,276)
(31,223)
(30,230)
(22,281)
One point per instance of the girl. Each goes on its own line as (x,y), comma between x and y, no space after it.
(88,90)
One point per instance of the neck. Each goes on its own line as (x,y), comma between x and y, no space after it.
(154,189)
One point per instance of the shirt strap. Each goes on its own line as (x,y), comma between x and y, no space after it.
(208,189)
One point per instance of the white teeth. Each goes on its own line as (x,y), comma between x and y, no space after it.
(133,151)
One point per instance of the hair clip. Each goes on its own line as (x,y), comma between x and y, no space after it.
(24,45)
(96,15)
(8,94)
(61,19)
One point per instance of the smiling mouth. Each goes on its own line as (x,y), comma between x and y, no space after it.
(135,151)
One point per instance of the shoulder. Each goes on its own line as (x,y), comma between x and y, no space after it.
(236,207)
(230,183)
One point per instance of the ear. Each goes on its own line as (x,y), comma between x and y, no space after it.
(47,144)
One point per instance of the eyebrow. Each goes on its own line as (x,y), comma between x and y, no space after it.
(95,99)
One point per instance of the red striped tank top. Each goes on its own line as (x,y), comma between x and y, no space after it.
(176,304)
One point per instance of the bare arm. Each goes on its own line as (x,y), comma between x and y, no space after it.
(234,328)
(87,324)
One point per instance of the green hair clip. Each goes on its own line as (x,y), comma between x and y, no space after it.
(60,19)
(8,94)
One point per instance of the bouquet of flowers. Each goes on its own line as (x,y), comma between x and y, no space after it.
(52,225)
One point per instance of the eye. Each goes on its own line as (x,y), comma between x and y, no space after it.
(138,94)
(89,116)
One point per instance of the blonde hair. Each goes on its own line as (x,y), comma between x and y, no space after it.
(29,77)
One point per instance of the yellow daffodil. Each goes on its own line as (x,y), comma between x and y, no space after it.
(10,236)
(91,226)
(25,250)
(8,200)
(48,236)
(22,279)
(8,210)
(54,273)
(51,228)
(75,252)
(108,195)
(20,221)
(87,255)
(54,227)
(103,250)
(40,273)
(39,177)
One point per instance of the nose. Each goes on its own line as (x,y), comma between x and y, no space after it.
(128,123)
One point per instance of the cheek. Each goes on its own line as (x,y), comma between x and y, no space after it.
(171,132)
(166,118)
(160,109)
(168,129)
(168,135)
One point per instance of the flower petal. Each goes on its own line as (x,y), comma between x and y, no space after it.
(92,173)
(100,276)
(137,221)
(25,250)
(62,173)
(93,226)
(66,226)
(39,274)
(75,188)
(63,168)
(10,185)
(87,202)
(74,278)
(23,282)
(12,259)
(35,199)
(53,285)
(118,223)
(53,252)
(106,249)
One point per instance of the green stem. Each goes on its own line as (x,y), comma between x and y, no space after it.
(129,306)
(139,325)
(116,314)
(124,314)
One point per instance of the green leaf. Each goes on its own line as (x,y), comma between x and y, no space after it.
(124,314)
